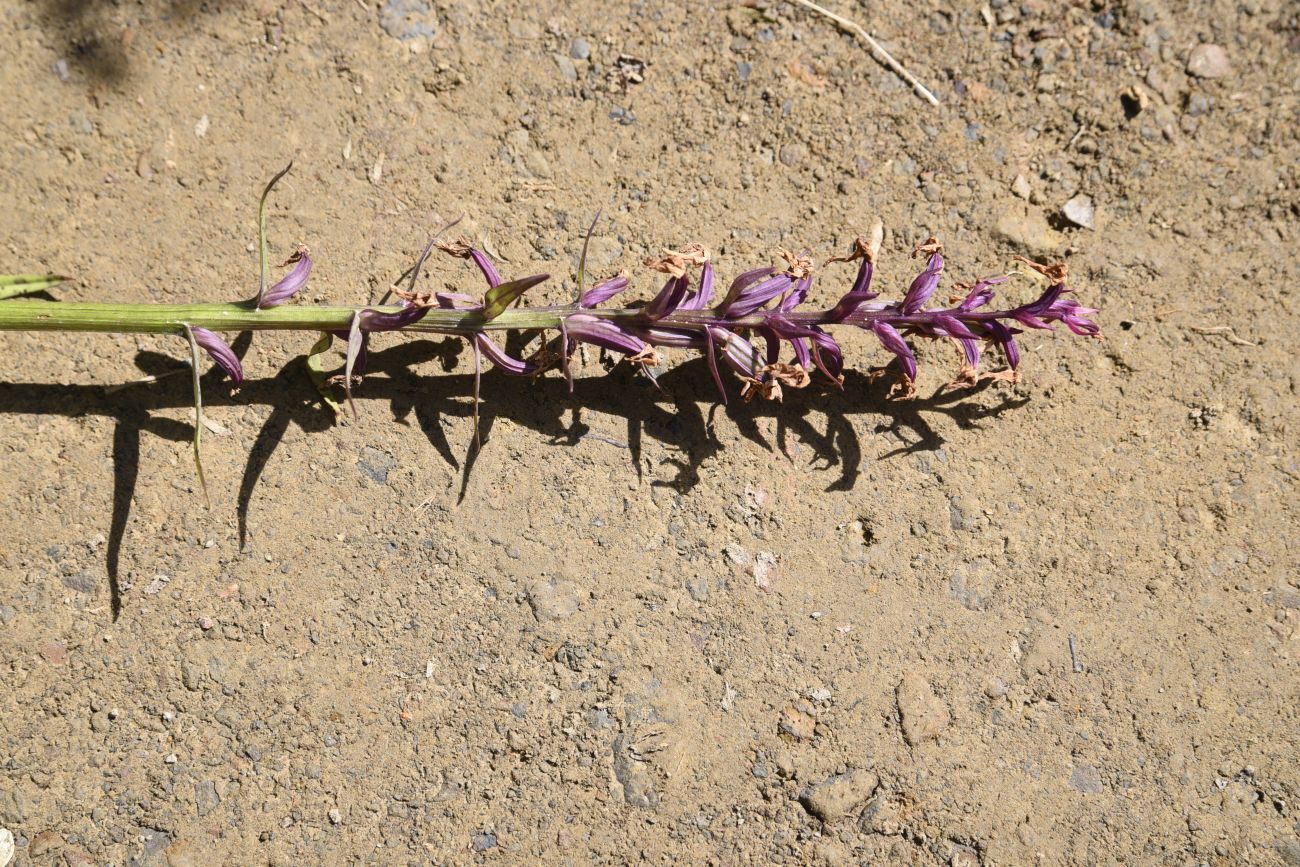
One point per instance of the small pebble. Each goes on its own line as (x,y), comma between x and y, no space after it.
(1208,60)
(1080,211)
(580,49)
(793,154)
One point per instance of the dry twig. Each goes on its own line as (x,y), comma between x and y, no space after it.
(877,50)
(1224,331)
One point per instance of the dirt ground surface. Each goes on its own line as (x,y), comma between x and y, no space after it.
(1053,622)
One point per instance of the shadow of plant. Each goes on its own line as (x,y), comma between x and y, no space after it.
(98,34)
(679,413)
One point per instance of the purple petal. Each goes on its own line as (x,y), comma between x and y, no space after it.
(602,332)
(796,297)
(954,326)
(672,338)
(756,295)
(773,341)
(924,285)
(971,348)
(668,298)
(825,352)
(894,342)
(704,295)
(1005,337)
(711,354)
(292,283)
(375,320)
(855,297)
(980,294)
(745,280)
(602,292)
(501,360)
(485,265)
(801,353)
(738,352)
(1040,307)
(221,353)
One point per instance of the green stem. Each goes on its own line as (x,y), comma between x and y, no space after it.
(173,318)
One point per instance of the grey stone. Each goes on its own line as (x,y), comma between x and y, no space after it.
(1080,211)
(1087,779)
(793,154)
(1208,60)
(375,465)
(553,600)
(923,714)
(632,775)
(484,841)
(567,69)
(81,582)
(580,49)
(408,19)
(206,798)
(838,796)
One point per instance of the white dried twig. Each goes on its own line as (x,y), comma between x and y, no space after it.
(877,50)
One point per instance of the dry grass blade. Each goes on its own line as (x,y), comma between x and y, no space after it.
(877,50)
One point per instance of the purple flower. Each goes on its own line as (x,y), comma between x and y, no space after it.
(668,298)
(1074,315)
(979,294)
(811,344)
(743,282)
(292,283)
(894,342)
(376,320)
(796,295)
(501,360)
(602,332)
(704,295)
(927,281)
(603,291)
(1005,338)
(861,291)
(748,293)
(738,352)
(754,295)
(221,353)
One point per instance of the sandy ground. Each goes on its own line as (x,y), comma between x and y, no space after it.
(1054,622)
